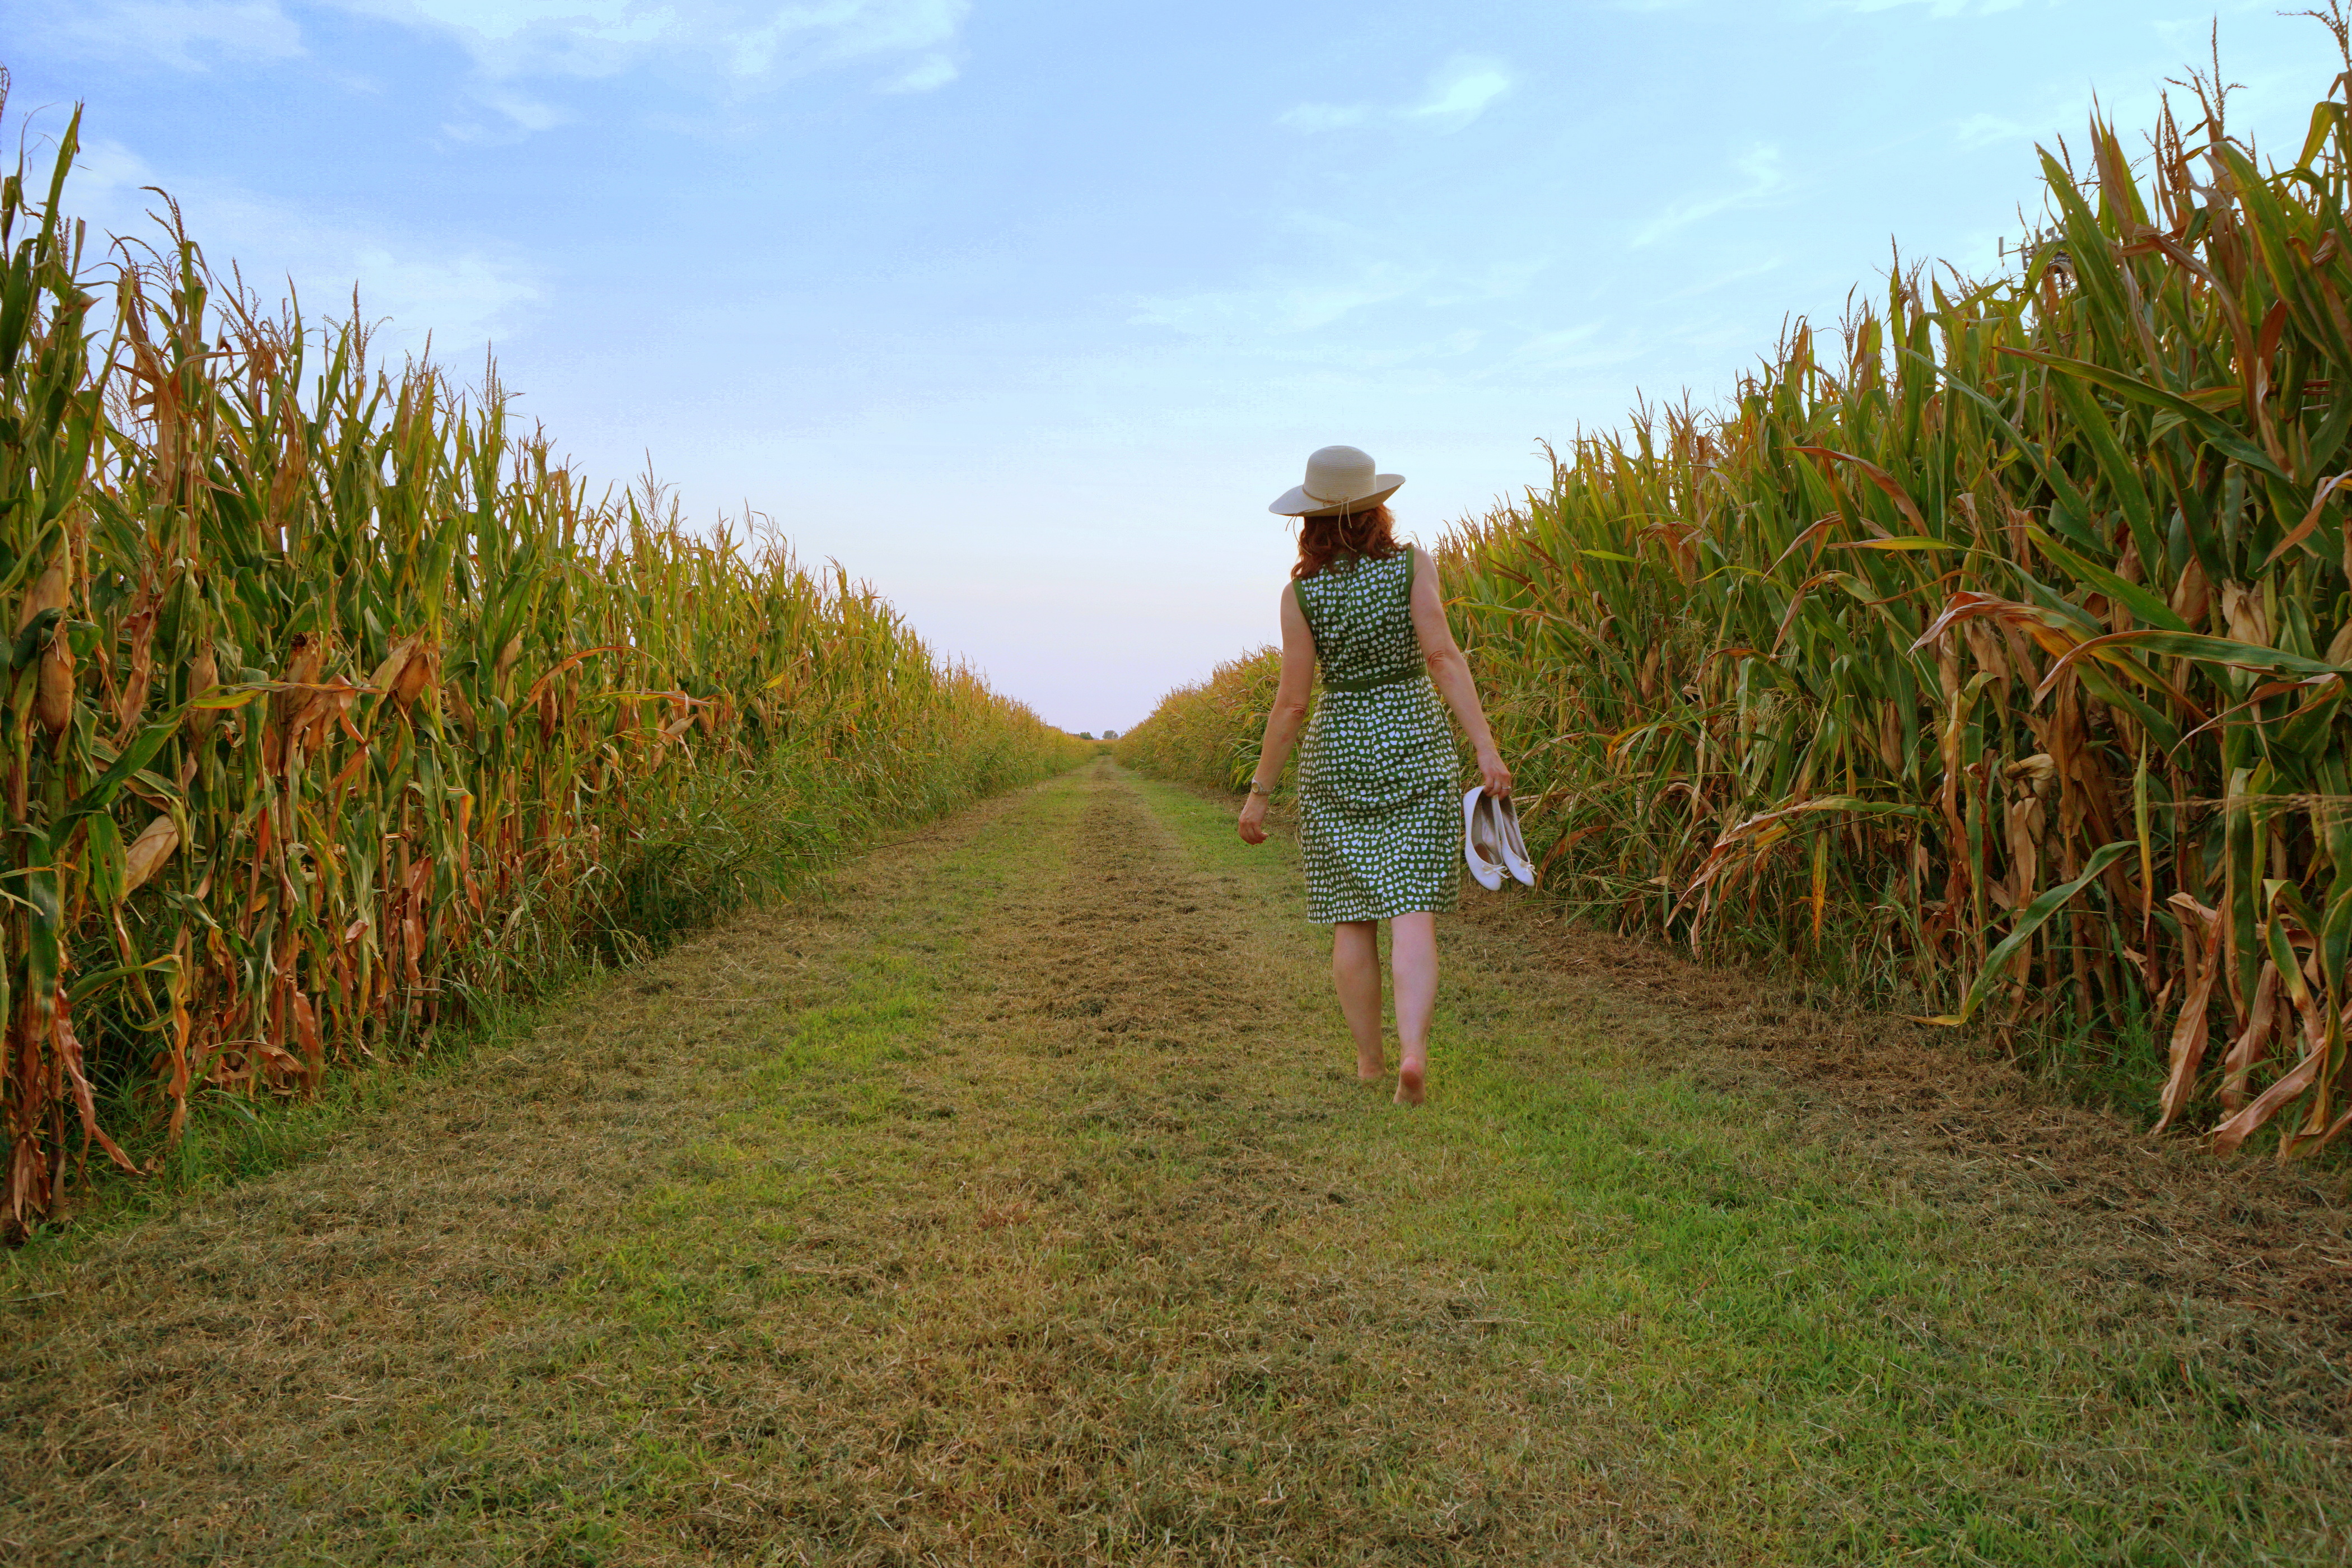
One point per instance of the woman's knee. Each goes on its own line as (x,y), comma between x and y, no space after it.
(1418,929)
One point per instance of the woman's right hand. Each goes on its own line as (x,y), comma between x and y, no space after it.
(1252,826)
(1493,774)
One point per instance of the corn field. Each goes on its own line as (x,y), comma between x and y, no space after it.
(1994,649)
(1209,733)
(333,701)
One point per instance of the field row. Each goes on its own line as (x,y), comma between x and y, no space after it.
(1988,657)
(333,702)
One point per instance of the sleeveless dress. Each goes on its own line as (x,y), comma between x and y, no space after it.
(1379,808)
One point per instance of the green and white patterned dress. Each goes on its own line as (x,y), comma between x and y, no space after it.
(1380,809)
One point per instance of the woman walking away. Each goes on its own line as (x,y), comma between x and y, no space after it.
(1378,818)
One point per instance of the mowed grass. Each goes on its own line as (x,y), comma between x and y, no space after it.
(1823,1367)
(1015,1203)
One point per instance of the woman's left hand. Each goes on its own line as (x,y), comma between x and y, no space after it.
(1252,826)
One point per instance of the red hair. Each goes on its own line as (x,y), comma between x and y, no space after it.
(1323,540)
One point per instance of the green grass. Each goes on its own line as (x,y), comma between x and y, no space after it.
(761,836)
(1830,1370)
(1018,1206)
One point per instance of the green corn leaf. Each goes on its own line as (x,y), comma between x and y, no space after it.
(2216,432)
(2148,606)
(2029,920)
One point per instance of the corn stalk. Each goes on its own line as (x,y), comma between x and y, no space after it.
(331,700)
(2000,652)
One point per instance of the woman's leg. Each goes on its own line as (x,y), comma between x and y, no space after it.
(1356,973)
(1413,964)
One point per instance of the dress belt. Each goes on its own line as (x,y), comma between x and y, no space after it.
(1374,682)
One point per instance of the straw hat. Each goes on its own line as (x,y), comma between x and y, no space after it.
(1338,479)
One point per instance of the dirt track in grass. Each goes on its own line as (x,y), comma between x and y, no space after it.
(1015,1203)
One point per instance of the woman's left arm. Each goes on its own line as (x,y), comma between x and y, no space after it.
(1451,671)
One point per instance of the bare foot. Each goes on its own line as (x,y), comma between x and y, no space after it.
(1409,1076)
(1371,1069)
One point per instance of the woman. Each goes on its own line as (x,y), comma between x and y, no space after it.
(1378,820)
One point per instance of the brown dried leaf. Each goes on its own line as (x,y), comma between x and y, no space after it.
(149,851)
(2254,1041)
(2200,929)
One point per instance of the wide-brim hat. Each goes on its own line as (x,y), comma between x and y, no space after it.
(1338,479)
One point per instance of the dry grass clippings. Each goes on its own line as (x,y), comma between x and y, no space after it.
(982,1210)
(1013,1202)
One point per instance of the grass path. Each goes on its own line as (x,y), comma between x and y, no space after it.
(1015,1203)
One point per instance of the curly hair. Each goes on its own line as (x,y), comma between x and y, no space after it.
(1323,540)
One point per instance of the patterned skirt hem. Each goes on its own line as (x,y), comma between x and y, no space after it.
(1440,905)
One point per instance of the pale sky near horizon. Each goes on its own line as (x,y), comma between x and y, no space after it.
(1023,312)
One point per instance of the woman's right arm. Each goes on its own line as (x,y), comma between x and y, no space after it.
(1282,725)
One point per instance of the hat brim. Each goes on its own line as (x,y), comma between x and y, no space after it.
(1295,502)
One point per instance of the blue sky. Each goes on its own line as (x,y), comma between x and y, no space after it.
(1024,311)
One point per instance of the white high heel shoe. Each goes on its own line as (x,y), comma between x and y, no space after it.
(1482,844)
(1516,859)
(1491,843)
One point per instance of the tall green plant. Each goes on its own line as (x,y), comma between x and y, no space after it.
(2005,652)
(331,699)
(1208,733)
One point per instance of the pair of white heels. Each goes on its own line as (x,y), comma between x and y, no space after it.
(1491,841)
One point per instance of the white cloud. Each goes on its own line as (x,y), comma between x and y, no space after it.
(519,115)
(187,35)
(1725,279)
(1551,349)
(460,295)
(510,41)
(1283,311)
(1991,129)
(744,38)
(1764,182)
(1458,94)
(930,72)
(461,301)
(1280,308)
(110,168)
(1936,8)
